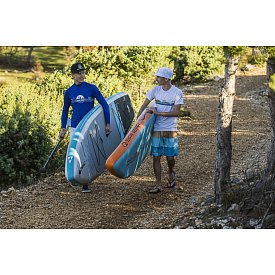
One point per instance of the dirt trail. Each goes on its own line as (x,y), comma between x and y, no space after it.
(117,203)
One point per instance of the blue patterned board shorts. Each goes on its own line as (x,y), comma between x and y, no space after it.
(164,143)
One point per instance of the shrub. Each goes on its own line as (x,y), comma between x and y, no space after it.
(197,63)
(129,69)
(257,59)
(29,128)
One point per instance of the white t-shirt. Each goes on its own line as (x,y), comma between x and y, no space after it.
(165,101)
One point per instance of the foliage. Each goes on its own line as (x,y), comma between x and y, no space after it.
(235,50)
(20,57)
(272,82)
(257,56)
(270,51)
(51,57)
(114,69)
(56,83)
(29,127)
(129,69)
(257,59)
(124,62)
(271,56)
(13,56)
(197,63)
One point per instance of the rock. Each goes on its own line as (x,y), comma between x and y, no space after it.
(249,173)
(253,222)
(270,219)
(11,190)
(216,78)
(263,92)
(234,208)
(249,67)
(227,227)
(194,200)
(198,222)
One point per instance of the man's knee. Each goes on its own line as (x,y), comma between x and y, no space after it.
(156,159)
(170,158)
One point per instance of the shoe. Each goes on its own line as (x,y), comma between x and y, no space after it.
(155,190)
(86,189)
(172,183)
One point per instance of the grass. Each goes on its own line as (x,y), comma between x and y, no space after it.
(52,57)
(13,70)
(7,77)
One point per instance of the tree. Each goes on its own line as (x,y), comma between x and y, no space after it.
(261,198)
(224,125)
(269,175)
(31,48)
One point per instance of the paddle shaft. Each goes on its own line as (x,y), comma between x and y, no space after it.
(53,151)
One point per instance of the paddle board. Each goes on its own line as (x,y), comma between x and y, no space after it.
(90,147)
(133,149)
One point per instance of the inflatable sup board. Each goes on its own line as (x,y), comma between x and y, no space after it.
(133,149)
(90,147)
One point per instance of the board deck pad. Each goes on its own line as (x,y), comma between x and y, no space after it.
(90,147)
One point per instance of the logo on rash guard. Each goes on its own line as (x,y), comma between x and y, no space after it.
(80,99)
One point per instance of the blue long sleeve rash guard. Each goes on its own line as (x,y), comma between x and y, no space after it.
(81,97)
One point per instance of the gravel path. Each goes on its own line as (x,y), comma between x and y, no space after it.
(117,203)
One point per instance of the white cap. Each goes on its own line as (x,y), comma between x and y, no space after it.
(165,72)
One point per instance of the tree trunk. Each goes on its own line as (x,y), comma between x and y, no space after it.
(224,127)
(29,55)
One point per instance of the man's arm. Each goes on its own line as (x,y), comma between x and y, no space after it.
(173,113)
(64,116)
(143,106)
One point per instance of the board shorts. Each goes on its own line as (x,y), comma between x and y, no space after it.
(164,143)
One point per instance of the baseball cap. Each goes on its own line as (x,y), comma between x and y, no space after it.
(77,67)
(164,72)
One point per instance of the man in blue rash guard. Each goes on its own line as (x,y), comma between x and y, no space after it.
(81,97)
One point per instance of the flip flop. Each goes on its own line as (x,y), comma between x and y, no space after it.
(155,190)
(172,183)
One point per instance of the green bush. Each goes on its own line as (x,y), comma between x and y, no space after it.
(129,69)
(271,83)
(257,59)
(197,63)
(114,69)
(29,128)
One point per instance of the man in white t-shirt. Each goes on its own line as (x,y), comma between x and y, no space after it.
(168,99)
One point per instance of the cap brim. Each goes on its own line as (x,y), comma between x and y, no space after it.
(77,71)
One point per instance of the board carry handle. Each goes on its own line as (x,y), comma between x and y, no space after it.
(147,111)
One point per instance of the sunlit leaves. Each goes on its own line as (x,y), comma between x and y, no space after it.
(272,82)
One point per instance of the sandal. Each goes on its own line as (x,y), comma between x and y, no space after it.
(172,183)
(155,190)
